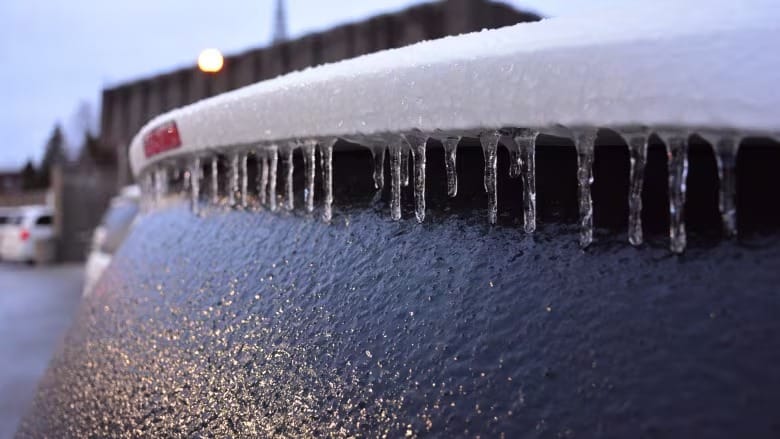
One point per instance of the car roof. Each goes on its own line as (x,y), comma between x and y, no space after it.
(33,210)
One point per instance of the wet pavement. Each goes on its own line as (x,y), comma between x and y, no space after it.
(37,305)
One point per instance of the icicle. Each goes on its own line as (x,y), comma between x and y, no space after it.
(289,200)
(147,185)
(273,165)
(244,178)
(165,180)
(194,172)
(379,166)
(326,164)
(677,152)
(262,175)
(404,166)
(726,147)
(309,160)
(417,143)
(637,149)
(526,145)
(157,187)
(489,141)
(215,179)
(450,161)
(515,161)
(585,141)
(395,172)
(161,183)
(233,186)
(186,176)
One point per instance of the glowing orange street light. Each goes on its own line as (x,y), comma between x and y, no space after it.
(210,61)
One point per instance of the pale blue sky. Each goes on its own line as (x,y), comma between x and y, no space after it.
(56,53)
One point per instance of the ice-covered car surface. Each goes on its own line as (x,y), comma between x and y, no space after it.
(108,236)
(249,325)
(692,64)
(232,314)
(668,68)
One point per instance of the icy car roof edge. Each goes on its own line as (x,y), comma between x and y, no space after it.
(690,66)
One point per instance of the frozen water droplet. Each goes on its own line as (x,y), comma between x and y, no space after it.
(584,141)
(417,143)
(273,154)
(726,146)
(288,181)
(378,153)
(450,161)
(326,158)
(215,179)
(637,149)
(309,160)
(526,144)
(195,171)
(489,141)
(677,152)
(395,174)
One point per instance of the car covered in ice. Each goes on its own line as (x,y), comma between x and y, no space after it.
(431,241)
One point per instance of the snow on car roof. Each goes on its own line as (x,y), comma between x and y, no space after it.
(691,64)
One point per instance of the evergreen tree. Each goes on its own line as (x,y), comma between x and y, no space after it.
(29,176)
(54,154)
(92,152)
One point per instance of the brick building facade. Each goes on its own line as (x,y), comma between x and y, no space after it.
(127,107)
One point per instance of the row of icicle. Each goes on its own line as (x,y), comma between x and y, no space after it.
(156,181)
(521,144)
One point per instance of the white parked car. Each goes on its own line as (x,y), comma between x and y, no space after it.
(108,236)
(6,214)
(23,230)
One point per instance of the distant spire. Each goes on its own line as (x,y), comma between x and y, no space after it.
(280,23)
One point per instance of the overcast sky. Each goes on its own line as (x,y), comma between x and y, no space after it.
(55,54)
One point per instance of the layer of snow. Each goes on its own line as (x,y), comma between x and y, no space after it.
(692,64)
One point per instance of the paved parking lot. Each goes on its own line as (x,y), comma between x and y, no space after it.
(37,305)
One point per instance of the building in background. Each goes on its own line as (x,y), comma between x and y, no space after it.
(11,182)
(127,107)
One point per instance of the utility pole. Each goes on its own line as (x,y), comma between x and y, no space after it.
(280,23)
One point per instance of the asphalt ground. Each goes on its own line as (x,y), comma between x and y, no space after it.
(37,305)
